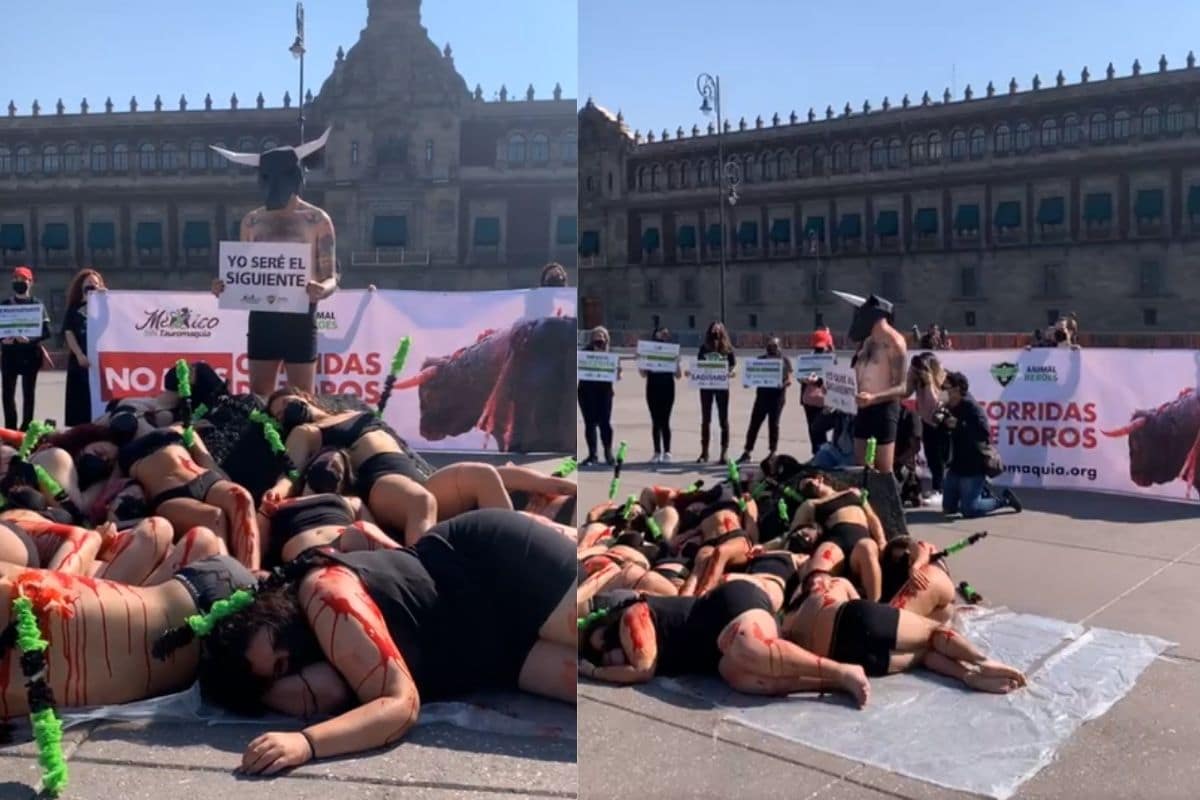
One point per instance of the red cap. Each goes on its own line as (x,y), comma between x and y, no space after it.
(24,273)
(822,338)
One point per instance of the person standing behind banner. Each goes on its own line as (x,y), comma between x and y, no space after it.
(595,403)
(716,347)
(74,330)
(812,393)
(660,399)
(21,357)
(768,404)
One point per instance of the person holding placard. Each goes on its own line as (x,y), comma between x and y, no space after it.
(595,403)
(716,347)
(812,394)
(660,399)
(287,338)
(768,404)
(22,356)
(78,409)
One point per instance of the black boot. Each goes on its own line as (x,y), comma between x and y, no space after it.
(704,431)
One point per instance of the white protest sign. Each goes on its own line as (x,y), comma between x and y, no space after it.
(22,320)
(598,366)
(265,276)
(814,363)
(657,356)
(764,373)
(841,386)
(709,375)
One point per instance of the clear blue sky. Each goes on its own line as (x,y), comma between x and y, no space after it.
(777,55)
(96,48)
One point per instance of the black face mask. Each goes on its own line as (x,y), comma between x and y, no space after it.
(325,476)
(296,413)
(92,469)
(20,287)
(28,498)
(130,507)
(124,426)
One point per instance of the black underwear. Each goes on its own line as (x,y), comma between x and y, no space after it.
(845,535)
(381,465)
(195,489)
(864,633)
(305,514)
(214,578)
(33,560)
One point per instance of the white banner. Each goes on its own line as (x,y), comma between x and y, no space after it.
(597,365)
(1124,421)
(657,356)
(134,337)
(265,276)
(22,320)
(841,387)
(765,373)
(710,374)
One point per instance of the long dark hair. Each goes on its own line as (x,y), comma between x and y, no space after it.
(716,338)
(75,289)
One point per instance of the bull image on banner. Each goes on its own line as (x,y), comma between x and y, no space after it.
(486,370)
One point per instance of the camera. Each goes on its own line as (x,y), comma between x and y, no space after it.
(939,416)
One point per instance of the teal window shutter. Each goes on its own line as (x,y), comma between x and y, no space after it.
(197,236)
(56,236)
(850,227)
(589,243)
(12,237)
(781,231)
(102,236)
(1097,207)
(815,226)
(1193,201)
(888,223)
(1008,215)
(748,234)
(149,236)
(651,240)
(566,230)
(487,231)
(1149,204)
(687,236)
(926,221)
(1052,211)
(391,231)
(714,235)
(966,218)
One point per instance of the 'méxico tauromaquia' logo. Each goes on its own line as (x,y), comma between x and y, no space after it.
(179,322)
(1004,372)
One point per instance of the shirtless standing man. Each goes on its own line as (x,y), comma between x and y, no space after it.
(274,338)
(881,367)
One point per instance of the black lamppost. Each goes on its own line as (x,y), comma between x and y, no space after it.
(729,174)
(297,50)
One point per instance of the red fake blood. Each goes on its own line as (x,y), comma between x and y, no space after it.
(191,467)
(640,626)
(727,640)
(770,643)
(371,622)
(245,523)
(120,543)
(827,601)
(189,541)
(90,583)
(827,556)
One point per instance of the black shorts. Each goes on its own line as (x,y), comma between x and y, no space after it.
(864,633)
(32,559)
(214,578)
(381,465)
(195,489)
(846,535)
(290,338)
(878,422)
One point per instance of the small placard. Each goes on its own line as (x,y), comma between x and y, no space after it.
(710,374)
(265,276)
(22,320)
(841,386)
(814,364)
(762,373)
(595,365)
(657,356)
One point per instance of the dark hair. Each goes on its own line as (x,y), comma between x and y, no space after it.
(75,288)
(226,678)
(895,561)
(717,338)
(77,437)
(956,380)
(551,267)
(345,470)
(605,612)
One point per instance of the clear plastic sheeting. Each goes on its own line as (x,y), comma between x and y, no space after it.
(509,714)
(933,729)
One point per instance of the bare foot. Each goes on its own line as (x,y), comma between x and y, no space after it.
(853,681)
(996,669)
(989,683)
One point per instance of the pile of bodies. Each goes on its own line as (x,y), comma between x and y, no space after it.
(782,580)
(293,555)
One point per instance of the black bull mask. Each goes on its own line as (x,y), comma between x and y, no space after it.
(868,311)
(280,171)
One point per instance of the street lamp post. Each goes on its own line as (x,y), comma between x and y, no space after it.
(729,174)
(297,50)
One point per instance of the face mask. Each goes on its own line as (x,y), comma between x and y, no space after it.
(130,507)
(124,427)
(325,476)
(28,498)
(599,344)
(92,469)
(88,290)
(20,287)
(811,491)
(296,413)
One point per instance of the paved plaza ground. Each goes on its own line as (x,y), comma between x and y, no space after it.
(1113,562)
(195,762)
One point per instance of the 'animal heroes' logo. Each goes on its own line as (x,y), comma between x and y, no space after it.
(1005,372)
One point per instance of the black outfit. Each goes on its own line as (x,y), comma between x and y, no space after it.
(879,422)
(214,578)
(142,447)
(843,534)
(464,605)
(818,427)
(344,434)
(595,403)
(968,438)
(864,633)
(718,396)
(768,405)
(79,393)
(660,398)
(21,360)
(32,559)
(687,628)
(301,515)
(290,338)
(936,440)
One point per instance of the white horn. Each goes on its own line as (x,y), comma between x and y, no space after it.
(245,159)
(852,299)
(308,148)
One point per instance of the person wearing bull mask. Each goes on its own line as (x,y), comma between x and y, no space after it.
(286,338)
(881,368)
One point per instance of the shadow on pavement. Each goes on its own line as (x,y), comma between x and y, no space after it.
(1106,507)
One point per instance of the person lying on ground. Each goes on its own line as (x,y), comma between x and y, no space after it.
(545,495)
(290,527)
(851,534)
(914,583)
(623,567)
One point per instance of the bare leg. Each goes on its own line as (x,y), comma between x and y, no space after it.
(402,504)
(365,536)
(655,584)
(14,550)
(72,549)
(864,563)
(562,627)
(61,466)
(264,377)
(885,455)
(465,487)
(196,544)
(302,376)
(550,670)
(668,521)
(705,557)
(184,513)
(238,506)
(136,553)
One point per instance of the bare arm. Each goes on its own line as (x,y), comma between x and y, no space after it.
(623,674)
(803,516)
(325,274)
(874,525)
(316,689)
(594,583)
(73,346)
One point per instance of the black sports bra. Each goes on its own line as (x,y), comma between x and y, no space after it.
(823,511)
(305,514)
(145,446)
(348,431)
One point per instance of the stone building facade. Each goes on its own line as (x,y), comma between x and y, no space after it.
(995,211)
(429,184)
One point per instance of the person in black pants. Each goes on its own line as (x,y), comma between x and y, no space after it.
(74,329)
(595,403)
(768,404)
(812,394)
(717,347)
(660,398)
(21,357)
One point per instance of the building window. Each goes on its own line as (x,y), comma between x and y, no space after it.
(216,161)
(958,146)
(147,161)
(487,232)
(1175,121)
(749,173)
(878,155)
(1150,121)
(653,292)
(570,148)
(969,319)
(5,160)
(1072,131)
(839,158)
(72,159)
(1150,317)
(429,152)
(516,149)
(753,321)
(1003,140)
(1024,138)
(171,160)
(803,162)
(539,148)
(23,160)
(1150,279)
(1050,133)
(702,173)
(1120,126)
(978,143)
(655,171)
(197,238)
(1098,128)
(353,153)
(751,289)
(935,147)
(854,161)
(197,156)
(968,282)
(120,157)
(51,160)
(766,167)
(1148,211)
(895,153)
(684,169)
(916,150)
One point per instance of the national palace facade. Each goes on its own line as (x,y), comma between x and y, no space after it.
(994,211)
(430,184)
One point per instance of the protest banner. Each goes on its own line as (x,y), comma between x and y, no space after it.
(814,364)
(594,365)
(765,373)
(22,320)
(657,356)
(841,386)
(709,374)
(265,276)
